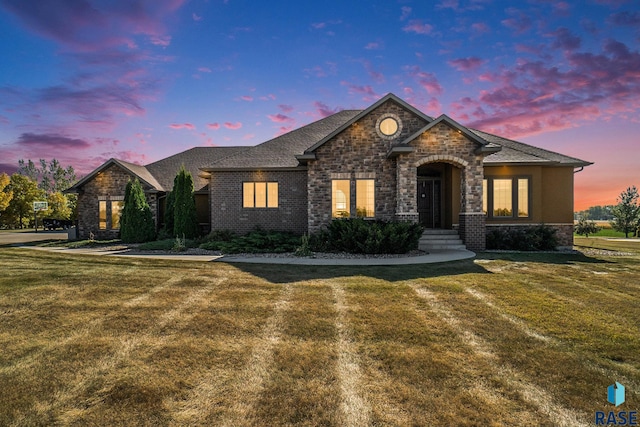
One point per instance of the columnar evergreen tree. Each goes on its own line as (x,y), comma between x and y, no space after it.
(185,219)
(627,212)
(169,208)
(136,222)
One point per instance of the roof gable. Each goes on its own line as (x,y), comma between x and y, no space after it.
(363,113)
(141,172)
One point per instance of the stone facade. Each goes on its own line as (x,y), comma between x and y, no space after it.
(227,212)
(108,185)
(359,153)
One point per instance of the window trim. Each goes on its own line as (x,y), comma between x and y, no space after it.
(266,195)
(514,197)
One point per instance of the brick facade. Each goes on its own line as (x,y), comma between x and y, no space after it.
(106,185)
(227,212)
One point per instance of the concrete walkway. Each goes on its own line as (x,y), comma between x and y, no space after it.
(433,257)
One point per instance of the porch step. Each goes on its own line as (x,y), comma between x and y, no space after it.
(435,239)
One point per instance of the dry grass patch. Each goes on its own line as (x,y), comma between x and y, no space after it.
(507,339)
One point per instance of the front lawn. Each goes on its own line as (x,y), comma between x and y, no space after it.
(506,339)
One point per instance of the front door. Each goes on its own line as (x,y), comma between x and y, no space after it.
(429,202)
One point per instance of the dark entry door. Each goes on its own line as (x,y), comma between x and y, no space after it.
(429,205)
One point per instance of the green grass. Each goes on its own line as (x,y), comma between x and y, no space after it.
(506,339)
(626,245)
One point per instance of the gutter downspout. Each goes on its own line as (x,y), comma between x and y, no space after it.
(579,170)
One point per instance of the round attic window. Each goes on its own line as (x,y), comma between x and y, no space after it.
(389,126)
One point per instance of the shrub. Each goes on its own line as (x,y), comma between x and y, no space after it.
(586,227)
(258,241)
(532,238)
(136,223)
(304,249)
(356,235)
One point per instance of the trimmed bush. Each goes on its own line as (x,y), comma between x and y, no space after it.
(136,223)
(258,241)
(532,238)
(356,235)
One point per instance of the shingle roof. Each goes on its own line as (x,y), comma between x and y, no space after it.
(519,152)
(193,160)
(280,152)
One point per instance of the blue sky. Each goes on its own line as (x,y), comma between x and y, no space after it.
(86,80)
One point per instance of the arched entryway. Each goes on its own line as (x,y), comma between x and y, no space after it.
(438,193)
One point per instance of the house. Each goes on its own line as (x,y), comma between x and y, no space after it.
(389,161)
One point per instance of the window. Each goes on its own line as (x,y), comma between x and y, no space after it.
(388,126)
(502,198)
(506,197)
(340,198)
(259,194)
(102,216)
(116,213)
(365,198)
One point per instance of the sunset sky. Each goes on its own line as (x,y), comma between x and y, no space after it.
(86,80)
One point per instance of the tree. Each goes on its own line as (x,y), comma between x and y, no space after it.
(627,212)
(5,192)
(169,209)
(25,192)
(50,176)
(185,219)
(585,226)
(59,207)
(136,222)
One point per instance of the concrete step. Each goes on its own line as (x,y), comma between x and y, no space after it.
(436,239)
(428,248)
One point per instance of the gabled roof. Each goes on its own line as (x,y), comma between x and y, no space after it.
(514,152)
(484,145)
(145,177)
(280,152)
(362,113)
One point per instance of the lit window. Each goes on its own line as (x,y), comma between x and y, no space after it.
(116,213)
(260,194)
(506,197)
(523,198)
(365,198)
(102,216)
(388,126)
(485,196)
(502,197)
(340,197)
(272,194)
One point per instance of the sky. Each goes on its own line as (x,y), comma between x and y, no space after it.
(86,80)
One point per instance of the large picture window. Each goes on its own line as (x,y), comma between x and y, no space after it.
(365,198)
(506,197)
(259,194)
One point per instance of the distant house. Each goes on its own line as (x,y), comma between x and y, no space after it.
(389,161)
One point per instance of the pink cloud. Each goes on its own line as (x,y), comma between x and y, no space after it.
(323,110)
(233,126)
(247,98)
(285,108)
(480,27)
(426,80)
(196,17)
(187,126)
(43,141)
(367,91)
(535,96)
(466,64)
(519,21)
(163,41)
(565,40)
(213,126)
(416,26)
(280,118)
(375,75)
(249,136)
